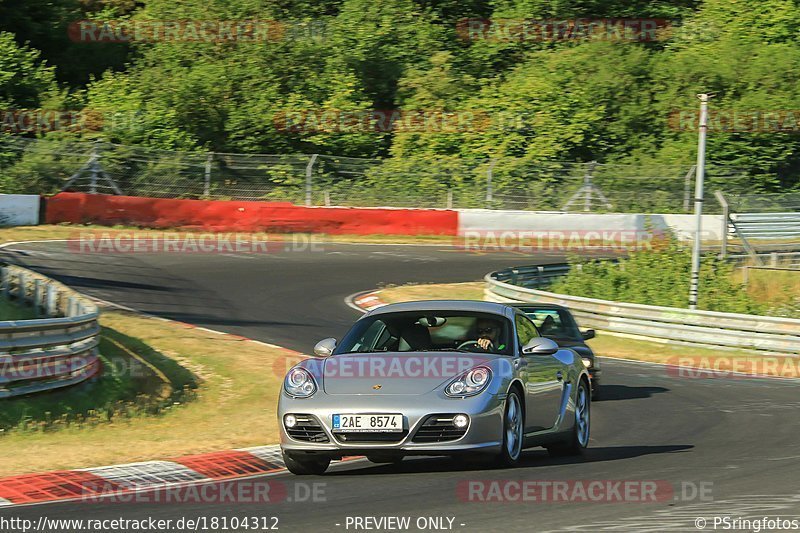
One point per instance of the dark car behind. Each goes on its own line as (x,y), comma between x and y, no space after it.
(557,323)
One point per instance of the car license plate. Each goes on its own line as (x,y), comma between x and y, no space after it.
(372,423)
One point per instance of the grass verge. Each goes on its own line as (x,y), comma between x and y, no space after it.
(135,381)
(10,310)
(70,231)
(778,290)
(233,403)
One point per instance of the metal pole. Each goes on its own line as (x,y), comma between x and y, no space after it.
(93,171)
(698,200)
(726,213)
(309,168)
(687,188)
(489,177)
(207,178)
(587,185)
(37,296)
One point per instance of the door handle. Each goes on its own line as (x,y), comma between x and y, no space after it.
(519,363)
(559,375)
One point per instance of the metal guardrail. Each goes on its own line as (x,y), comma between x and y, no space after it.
(532,276)
(768,225)
(703,328)
(763,235)
(46,353)
(790,260)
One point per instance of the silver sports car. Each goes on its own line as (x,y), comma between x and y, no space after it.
(434,378)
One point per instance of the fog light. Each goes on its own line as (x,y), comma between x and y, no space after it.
(460,421)
(290,421)
(587,363)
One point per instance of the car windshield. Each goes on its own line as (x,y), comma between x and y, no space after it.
(554,323)
(425,331)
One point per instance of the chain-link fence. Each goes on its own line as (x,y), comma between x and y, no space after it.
(786,202)
(49,165)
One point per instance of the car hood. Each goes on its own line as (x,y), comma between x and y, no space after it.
(395,373)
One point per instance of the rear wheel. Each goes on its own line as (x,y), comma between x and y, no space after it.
(304,466)
(513,424)
(579,436)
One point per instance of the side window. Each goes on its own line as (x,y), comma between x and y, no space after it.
(525,329)
(371,338)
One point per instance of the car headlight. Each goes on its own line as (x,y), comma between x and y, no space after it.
(587,362)
(299,383)
(469,383)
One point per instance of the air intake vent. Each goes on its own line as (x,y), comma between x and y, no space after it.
(307,429)
(356,437)
(439,428)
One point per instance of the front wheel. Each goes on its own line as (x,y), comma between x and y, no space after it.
(304,466)
(513,424)
(579,436)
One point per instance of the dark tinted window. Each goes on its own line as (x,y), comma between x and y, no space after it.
(525,330)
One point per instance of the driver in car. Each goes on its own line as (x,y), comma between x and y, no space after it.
(488,335)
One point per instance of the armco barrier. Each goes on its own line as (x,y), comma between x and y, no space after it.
(498,222)
(47,353)
(275,217)
(704,328)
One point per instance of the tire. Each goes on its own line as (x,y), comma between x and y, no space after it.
(579,436)
(306,466)
(513,431)
(384,459)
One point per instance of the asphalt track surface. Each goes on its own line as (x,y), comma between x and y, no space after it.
(736,439)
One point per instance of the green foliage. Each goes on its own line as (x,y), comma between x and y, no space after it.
(24,80)
(44,24)
(659,276)
(548,101)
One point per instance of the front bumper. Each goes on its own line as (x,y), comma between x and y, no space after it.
(483,434)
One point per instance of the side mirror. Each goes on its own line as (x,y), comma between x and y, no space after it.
(540,346)
(588,334)
(325,347)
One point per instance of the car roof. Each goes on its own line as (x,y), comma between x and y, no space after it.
(538,305)
(470,306)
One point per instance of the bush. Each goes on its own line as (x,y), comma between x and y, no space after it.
(659,276)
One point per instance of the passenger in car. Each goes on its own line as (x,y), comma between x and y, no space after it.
(415,337)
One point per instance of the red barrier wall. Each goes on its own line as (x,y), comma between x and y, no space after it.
(273,217)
